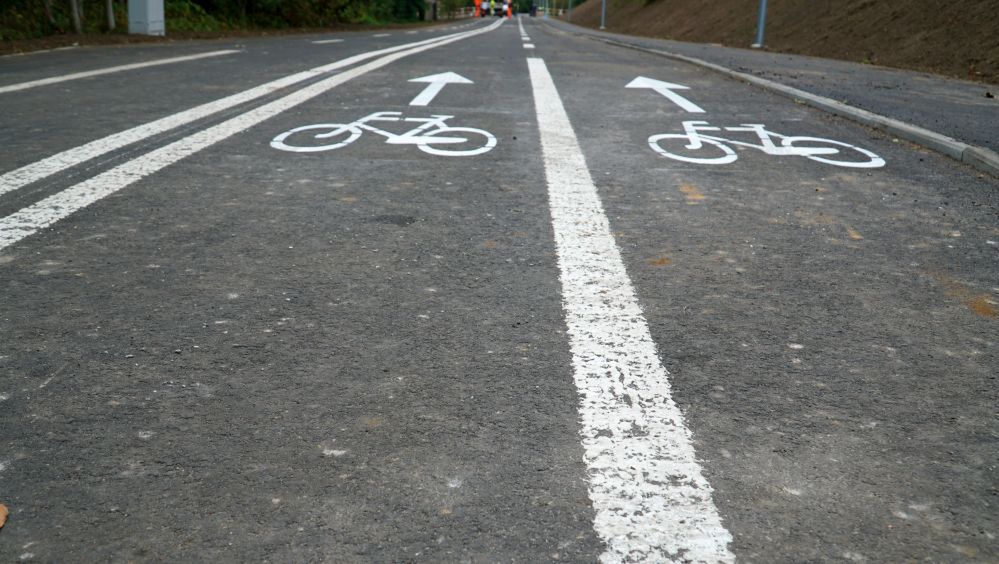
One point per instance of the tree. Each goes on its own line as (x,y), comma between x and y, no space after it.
(74,11)
(47,5)
(109,5)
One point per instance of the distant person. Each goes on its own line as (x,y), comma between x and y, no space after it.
(484,8)
(534,10)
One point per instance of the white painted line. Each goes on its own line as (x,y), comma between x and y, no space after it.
(327,41)
(651,500)
(33,218)
(528,46)
(381,35)
(68,47)
(109,70)
(71,157)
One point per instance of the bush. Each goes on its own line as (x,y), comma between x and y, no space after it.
(184,15)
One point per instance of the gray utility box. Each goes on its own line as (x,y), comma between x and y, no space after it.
(145,17)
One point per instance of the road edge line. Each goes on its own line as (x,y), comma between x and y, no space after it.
(650,498)
(980,158)
(17,87)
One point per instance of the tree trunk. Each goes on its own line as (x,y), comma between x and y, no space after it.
(47,4)
(74,11)
(110,11)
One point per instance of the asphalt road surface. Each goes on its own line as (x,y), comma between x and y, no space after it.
(281,302)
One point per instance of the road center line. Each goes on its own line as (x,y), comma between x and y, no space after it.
(109,70)
(44,213)
(651,500)
(48,166)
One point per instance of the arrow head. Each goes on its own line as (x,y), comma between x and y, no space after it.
(444,77)
(643,82)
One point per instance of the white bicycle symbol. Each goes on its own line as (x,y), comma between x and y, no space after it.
(814,148)
(433,132)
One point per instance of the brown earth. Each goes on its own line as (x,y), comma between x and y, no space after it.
(958,38)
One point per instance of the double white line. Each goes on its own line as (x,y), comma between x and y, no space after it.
(30,220)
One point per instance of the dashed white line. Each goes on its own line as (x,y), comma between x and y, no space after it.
(528,46)
(109,70)
(651,500)
(46,212)
(327,41)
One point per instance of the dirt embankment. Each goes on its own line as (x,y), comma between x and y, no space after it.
(957,38)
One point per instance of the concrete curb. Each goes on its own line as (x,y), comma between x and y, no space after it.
(980,158)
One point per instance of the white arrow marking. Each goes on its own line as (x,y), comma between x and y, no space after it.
(666,89)
(437,83)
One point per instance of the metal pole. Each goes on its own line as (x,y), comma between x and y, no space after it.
(603,13)
(760,25)
(569,17)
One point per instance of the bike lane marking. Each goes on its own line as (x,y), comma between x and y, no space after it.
(48,166)
(651,500)
(424,136)
(109,70)
(44,213)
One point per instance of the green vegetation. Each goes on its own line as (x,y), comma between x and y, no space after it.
(25,19)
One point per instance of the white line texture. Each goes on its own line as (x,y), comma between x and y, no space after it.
(651,500)
(109,70)
(48,166)
(48,211)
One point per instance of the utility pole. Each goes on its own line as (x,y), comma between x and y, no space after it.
(603,13)
(760,25)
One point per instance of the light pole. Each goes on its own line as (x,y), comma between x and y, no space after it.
(603,13)
(760,25)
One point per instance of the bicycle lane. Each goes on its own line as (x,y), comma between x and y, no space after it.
(829,331)
(49,119)
(351,355)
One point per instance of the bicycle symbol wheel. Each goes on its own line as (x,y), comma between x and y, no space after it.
(676,150)
(470,146)
(849,159)
(297,141)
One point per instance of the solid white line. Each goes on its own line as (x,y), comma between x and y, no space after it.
(651,500)
(33,218)
(68,47)
(326,41)
(38,170)
(98,72)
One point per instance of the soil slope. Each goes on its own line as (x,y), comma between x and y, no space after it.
(958,38)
